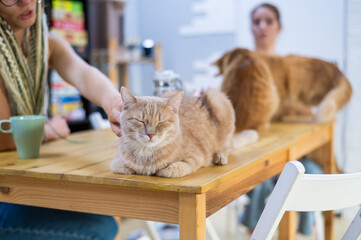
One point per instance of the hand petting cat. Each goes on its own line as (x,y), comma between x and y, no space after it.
(113,107)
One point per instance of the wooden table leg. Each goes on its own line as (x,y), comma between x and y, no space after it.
(287,227)
(118,220)
(192,216)
(329,225)
(328,167)
(326,158)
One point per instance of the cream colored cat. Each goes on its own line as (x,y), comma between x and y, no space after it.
(173,137)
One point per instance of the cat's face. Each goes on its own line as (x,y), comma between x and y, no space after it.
(150,121)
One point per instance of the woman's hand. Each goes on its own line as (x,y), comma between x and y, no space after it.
(56,127)
(113,109)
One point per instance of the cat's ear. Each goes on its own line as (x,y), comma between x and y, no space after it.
(174,102)
(219,64)
(127,98)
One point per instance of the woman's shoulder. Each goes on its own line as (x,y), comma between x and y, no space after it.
(53,41)
(57,45)
(54,38)
(51,45)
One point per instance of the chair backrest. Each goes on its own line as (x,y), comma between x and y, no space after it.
(297,191)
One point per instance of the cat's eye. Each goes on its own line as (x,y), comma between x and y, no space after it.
(163,123)
(137,120)
(140,121)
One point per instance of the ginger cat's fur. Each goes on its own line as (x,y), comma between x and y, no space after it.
(173,137)
(292,88)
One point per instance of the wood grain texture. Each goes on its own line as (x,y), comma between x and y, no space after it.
(252,175)
(91,198)
(89,162)
(77,177)
(287,228)
(192,216)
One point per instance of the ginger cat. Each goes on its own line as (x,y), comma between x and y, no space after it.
(292,88)
(173,137)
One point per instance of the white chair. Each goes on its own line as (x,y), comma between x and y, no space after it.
(297,191)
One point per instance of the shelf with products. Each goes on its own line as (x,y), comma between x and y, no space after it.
(67,19)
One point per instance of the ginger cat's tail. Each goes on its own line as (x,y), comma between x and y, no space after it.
(325,111)
(334,101)
(244,138)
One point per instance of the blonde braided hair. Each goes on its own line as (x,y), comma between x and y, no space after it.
(25,78)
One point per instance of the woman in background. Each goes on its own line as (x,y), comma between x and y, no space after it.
(26,51)
(266,26)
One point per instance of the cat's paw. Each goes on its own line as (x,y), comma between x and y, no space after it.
(220,158)
(173,170)
(117,167)
(244,138)
(326,111)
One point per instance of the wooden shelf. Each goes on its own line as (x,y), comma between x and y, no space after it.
(120,56)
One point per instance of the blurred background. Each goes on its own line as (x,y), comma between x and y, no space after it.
(130,40)
(195,33)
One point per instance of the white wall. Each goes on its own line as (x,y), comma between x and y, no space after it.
(311,28)
(352,139)
(131,30)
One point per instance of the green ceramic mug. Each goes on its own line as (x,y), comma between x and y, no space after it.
(27,134)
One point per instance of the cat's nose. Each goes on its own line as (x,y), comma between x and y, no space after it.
(150,135)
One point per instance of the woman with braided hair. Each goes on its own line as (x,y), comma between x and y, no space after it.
(26,52)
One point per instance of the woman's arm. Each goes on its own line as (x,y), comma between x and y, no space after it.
(90,82)
(6,140)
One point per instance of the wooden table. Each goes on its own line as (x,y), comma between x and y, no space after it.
(76,177)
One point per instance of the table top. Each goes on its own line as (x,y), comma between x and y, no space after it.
(89,161)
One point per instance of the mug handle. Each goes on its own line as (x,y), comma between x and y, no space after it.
(5,131)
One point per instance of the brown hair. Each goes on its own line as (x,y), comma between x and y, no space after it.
(271,7)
